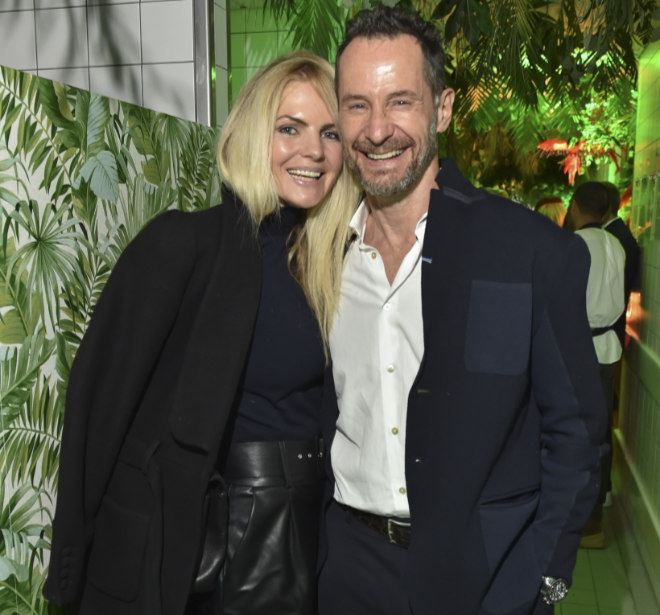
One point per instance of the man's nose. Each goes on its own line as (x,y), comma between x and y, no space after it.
(379,127)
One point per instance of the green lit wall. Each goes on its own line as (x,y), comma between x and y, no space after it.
(637,442)
(255,39)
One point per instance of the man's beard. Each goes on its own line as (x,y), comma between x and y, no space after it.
(385,185)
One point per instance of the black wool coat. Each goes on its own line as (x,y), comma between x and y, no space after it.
(149,394)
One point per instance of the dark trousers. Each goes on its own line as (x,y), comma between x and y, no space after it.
(275,492)
(607,378)
(363,573)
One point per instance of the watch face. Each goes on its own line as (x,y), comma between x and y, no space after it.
(553,590)
(559,590)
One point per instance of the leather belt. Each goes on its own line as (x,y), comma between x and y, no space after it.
(396,530)
(264,464)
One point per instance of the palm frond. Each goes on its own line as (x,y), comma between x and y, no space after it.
(29,447)
(47,253)
(20,370)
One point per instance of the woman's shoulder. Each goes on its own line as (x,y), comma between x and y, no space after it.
(200,225)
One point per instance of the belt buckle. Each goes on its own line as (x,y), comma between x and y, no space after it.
(391,525)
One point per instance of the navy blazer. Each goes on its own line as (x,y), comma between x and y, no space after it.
(506,413)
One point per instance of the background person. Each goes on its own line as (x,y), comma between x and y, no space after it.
(605,306)
(206,353)
(552,207)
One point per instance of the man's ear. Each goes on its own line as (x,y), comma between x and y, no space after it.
(445,109)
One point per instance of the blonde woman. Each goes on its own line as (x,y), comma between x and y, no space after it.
(200,377)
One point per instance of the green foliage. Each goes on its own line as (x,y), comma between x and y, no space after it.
(80,175)
(527,70)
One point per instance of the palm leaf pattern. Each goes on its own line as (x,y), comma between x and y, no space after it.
(80,175)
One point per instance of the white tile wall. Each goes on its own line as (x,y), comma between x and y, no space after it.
(170,88)
(77,77)
(167,32)
(114,35)
(16,5)
(57,4)
(61,37)
(122,82)
(17,40)
(141,51)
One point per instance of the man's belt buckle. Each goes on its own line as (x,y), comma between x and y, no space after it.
(392,525)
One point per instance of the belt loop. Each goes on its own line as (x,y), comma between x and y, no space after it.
(283,462)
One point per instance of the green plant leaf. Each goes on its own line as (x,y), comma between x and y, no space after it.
(20,370)
(30,445)
(101,172)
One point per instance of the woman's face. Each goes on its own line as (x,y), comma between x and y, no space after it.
(306,156)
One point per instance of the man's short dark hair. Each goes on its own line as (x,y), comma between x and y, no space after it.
(591,199)
(391,22)
(613,198)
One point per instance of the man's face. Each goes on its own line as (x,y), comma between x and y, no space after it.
(387,116)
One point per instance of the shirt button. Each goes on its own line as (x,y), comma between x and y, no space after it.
(395,430)
(387,307)
(390,368)
(402,490)
(373,255)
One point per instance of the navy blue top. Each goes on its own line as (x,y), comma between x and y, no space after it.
(281,395)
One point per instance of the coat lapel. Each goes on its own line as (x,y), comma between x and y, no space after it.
(220,337)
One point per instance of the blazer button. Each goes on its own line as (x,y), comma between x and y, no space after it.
(419,460)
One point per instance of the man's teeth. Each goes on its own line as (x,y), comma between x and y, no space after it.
(301,173)
(384,156)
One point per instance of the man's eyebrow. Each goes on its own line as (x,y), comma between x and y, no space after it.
(404,93)
(352,97)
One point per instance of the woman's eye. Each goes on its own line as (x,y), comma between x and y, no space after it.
(287,130)
(331,134)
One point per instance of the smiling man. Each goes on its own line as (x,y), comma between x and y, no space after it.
(468,407)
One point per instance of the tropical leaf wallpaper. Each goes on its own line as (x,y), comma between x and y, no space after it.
(80,175)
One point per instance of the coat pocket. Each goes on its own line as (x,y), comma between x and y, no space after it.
(498,330)
(117,557)
(506,527)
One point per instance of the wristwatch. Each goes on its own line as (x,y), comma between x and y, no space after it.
(553,590)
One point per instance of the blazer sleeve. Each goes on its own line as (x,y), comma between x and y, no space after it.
(129,325)
(566,387)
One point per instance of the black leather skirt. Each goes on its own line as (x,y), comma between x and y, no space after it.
(275,491)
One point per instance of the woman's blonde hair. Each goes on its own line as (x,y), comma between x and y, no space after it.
(244,160)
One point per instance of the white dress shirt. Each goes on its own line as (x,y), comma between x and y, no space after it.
(605,295)
(376,345)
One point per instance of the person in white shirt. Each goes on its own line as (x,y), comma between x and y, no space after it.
(605,306)
(464,433)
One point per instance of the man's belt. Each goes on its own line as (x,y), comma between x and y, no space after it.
(595,331)
(396,530)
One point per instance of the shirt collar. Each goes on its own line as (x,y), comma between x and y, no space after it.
(358,222)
